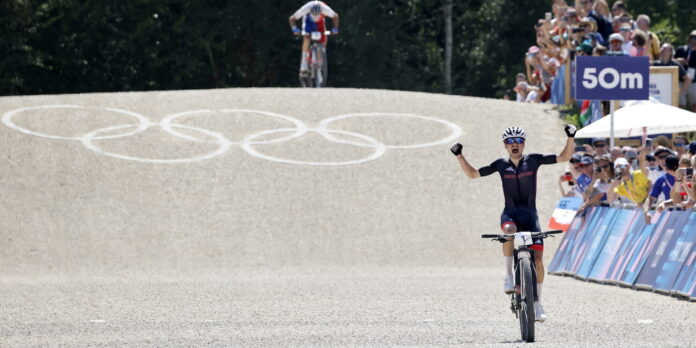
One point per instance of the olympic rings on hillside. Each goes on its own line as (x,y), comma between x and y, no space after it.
(249,143)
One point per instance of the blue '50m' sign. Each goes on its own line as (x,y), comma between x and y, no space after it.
(612,78)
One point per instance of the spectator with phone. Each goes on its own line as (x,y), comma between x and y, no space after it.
(683,194)
(664,184)
(601,181)
(582,167)
(633,185)
(567,177)
(686,56)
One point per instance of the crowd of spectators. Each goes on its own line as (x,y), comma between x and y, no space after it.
(657,175)
(593,28)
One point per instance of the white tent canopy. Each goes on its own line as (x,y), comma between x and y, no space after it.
(630,120)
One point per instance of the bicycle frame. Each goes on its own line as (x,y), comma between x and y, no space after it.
(523,298)
(317,61)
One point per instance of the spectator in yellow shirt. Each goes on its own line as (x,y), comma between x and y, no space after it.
(633,185)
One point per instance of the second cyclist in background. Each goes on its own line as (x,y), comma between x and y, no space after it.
(312,15)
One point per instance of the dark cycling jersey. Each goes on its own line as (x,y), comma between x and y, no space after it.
(519,183)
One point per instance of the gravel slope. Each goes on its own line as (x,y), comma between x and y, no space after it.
(239,249)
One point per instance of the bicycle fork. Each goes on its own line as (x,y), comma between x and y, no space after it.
(516,297)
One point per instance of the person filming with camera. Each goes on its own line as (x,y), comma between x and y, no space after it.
(633,185)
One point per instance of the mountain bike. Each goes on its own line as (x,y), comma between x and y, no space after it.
(318,65)
(522,300)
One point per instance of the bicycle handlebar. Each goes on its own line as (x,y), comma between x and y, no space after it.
(506,237)
(307,33)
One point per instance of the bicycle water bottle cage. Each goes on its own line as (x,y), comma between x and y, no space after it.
(522,238)
(316,35)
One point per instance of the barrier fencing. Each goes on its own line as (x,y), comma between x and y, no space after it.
(615,246)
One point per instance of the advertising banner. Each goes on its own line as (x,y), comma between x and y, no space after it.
(675,254)
(657,257)
(560,262)
(595,243)
(685,283)
(610,255)
(631,241)
(582,241)
(612,245)
(564,213)
(638,252)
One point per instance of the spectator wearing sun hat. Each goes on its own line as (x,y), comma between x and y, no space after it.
(616,43)
(633,185)
(584,168)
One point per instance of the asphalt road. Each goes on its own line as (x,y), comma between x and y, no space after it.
(121,228)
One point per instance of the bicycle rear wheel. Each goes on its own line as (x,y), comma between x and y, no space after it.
(526,314)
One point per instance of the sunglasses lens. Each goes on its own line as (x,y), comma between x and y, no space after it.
(511,141)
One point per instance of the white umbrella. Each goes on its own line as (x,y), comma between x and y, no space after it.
(651,115)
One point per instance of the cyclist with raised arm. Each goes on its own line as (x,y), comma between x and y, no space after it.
(312,15)
(518,174)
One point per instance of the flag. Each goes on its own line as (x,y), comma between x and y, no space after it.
(590,111)
(585,113)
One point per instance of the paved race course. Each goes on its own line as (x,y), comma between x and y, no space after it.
(275,217)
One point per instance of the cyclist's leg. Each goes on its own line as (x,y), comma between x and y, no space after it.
(508,225)
(538,248)
(307,26)
(304,60)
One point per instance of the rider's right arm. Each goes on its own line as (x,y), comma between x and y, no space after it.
(470,171)
(304,10)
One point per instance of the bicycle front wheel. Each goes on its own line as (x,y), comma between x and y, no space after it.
(526,314)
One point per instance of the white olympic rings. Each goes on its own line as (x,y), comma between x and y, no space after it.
(248,143)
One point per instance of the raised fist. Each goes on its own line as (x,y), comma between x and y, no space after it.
(570,130)
(456,149)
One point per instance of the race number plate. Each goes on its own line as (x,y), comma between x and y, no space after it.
(316,35)
(522,238)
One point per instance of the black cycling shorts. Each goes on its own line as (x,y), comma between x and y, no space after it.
(526,220)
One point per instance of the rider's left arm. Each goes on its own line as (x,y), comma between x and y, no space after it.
(335,21)
(568,150)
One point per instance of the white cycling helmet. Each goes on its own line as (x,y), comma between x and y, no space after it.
(514,132)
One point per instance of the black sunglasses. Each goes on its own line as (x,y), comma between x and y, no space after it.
(511,141)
